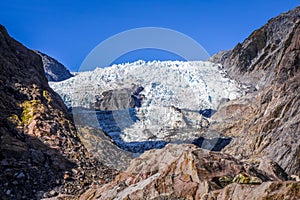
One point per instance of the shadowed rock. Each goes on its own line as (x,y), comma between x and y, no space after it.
(40,152)
(54,70)
(120,99)
(214,144)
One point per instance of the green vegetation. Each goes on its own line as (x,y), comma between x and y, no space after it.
(242,178)
(14,119)
(47,96)
(246,179)
(29,110)
(226,179)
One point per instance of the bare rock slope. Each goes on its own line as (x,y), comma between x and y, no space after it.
(40,151)
(265,124)
(188,172)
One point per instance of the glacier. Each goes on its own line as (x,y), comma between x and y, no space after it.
(144,105)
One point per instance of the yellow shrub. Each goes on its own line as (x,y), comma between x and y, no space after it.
(29,110)
(46,95)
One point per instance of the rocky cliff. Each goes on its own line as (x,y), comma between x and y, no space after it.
(257,59)
(265,124)
(40,152)
(54,70)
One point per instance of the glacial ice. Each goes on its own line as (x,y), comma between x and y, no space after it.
(174,94)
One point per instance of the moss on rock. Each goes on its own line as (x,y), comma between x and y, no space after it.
(244,178)
(14,119)
(47,96)
(225,180)
(29,110)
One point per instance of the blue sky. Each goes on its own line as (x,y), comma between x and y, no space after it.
(69,30)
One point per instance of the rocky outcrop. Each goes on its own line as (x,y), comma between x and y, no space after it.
(189,172)
(40,152)
(120,99)
(265,124)
(268,190)
(54,70)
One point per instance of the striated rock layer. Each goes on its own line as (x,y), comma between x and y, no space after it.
(189,172)
(102,148)
(265,124)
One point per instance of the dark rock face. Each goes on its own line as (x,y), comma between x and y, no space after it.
(54,70)
(40,152)
(120,99)
(103,148)
(265,123)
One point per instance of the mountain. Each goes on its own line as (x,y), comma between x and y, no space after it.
(257,60)
(40,151)
(265,124)
(54,70)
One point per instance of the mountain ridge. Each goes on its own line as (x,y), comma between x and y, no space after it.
(54,70)
(261,51)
